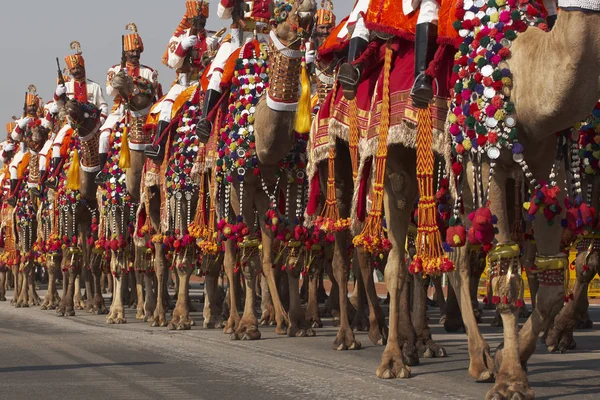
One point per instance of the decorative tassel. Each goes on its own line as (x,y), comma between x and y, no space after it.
(429,241)
(371,237)
(124,156)
(303,114)
(73,172)
(353,137)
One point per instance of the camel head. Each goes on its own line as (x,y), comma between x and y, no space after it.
(293,20)
(139,92)
(37,137)
(83,117)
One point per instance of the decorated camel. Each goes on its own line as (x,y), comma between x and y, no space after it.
(256,139)
(74,209)
(121,190)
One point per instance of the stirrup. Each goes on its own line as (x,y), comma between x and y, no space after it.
(100,178)
(203,130)
(416,93)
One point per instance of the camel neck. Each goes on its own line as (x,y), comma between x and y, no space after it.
(556,78)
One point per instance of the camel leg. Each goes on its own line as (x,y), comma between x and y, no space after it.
(453,320)
(480,362)
(248,325)
(477,264)
(23,300)
(281,317)
(51,300)
(407,337)
(17,288)
(34,299)
(332,306)
(312,305)
(425,343)
(298,325)
(399,192)
(378,330)
(228,264)
(181,313)
(161,270)
(3,285)
(78,302)
(67,307)
(118,263)
(139,286)
(439,294)
(560,337)
(150,289)
(266,304)
(212,311)
(360,321)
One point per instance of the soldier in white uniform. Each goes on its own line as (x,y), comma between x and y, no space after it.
(133,47)
(184,54)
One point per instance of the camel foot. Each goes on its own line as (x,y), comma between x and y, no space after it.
(2,298)
(158,321)
(247,330)
(481,364)
(360,323)
(300,331)
(431,349)
(345,340)
(180,324)
(410,355)
(35,302)
(140,315)
(391,366)
(212,323)
(510,391)
(268,317)
(336,322)
(116,318)
(231,325)
(313,319)
(102,310)
(378,335)
(453,325)
(69,312)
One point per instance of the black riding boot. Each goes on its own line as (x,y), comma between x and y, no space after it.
(12,199)
(422,91)
(156,151)
(38,191)
(204,127)
(349,74)
(550,21)
(101,175)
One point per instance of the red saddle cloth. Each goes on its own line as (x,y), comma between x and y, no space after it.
(387,16)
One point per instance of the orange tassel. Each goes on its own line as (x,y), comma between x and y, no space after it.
(429,241)
(353,137)
(371,237)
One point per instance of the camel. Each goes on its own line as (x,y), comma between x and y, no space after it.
(76,205)
(543,107)
(121,194)
(25,218)
(274,138)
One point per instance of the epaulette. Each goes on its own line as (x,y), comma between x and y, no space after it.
(147,67)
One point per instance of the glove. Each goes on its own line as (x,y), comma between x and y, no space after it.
(23,122)
(60,90)
(9,147)
(309,56)
(212,42)
(189,42)
(53,109)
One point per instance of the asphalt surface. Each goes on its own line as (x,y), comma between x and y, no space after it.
(44,356)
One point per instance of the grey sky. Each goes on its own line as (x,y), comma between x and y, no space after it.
(33,33)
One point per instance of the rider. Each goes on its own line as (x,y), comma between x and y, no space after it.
(425,34)
(249,18)
(184,54)
(21,133)
(133,47)
(81,89)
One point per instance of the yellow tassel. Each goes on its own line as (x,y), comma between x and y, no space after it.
(124,156)
(73,173)
(303,115)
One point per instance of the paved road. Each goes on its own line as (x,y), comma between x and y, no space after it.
(43,356)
